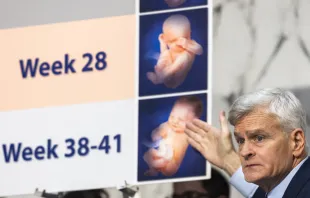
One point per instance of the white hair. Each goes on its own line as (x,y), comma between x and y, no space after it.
(282,103)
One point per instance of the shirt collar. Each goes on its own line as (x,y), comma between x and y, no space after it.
(279,190)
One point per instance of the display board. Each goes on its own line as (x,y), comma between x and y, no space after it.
(94,95)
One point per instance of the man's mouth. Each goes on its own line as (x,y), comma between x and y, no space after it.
(251,165)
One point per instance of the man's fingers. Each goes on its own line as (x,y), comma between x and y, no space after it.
(195,129)
(195,144)
(224,123)
(201,124)
(193,135)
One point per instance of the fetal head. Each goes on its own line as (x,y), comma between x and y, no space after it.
(174,3)
(175,27)
(184,110)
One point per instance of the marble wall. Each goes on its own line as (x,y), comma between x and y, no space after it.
(257,44)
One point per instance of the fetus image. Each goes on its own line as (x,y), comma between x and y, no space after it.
(177,52)
(174,3)
(171,138)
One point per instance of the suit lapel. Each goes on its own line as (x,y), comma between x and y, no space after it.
(259,193)
(298,181)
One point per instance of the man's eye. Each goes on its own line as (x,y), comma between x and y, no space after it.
(240,141)
(259,138)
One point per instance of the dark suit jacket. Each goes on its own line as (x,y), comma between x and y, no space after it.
(299,186)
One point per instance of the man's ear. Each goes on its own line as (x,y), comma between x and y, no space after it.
(297,142)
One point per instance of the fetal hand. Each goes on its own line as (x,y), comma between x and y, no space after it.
(190,45)
(161,38)
(182,42)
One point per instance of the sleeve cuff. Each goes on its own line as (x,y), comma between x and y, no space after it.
(238,181)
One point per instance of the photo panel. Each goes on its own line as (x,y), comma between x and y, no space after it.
(163,149)
(155,5)
(173,52)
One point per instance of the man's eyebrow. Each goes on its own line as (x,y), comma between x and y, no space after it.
(256,131)
(251,132)
(236,134)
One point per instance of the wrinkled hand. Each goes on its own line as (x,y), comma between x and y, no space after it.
(214,144)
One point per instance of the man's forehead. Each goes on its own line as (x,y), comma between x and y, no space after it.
(257,121)
(252,131)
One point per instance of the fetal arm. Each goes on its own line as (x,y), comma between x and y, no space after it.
(163,45)
(159,132)
(191,46)
(194,47)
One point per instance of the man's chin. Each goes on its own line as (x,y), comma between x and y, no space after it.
(254,178)
(253,174)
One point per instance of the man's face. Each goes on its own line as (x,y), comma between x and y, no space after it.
(264,148)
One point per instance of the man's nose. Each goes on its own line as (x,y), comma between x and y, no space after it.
(246,150)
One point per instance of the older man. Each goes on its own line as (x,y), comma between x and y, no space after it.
(272,159)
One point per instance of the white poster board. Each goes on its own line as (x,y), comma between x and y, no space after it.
(79,102)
